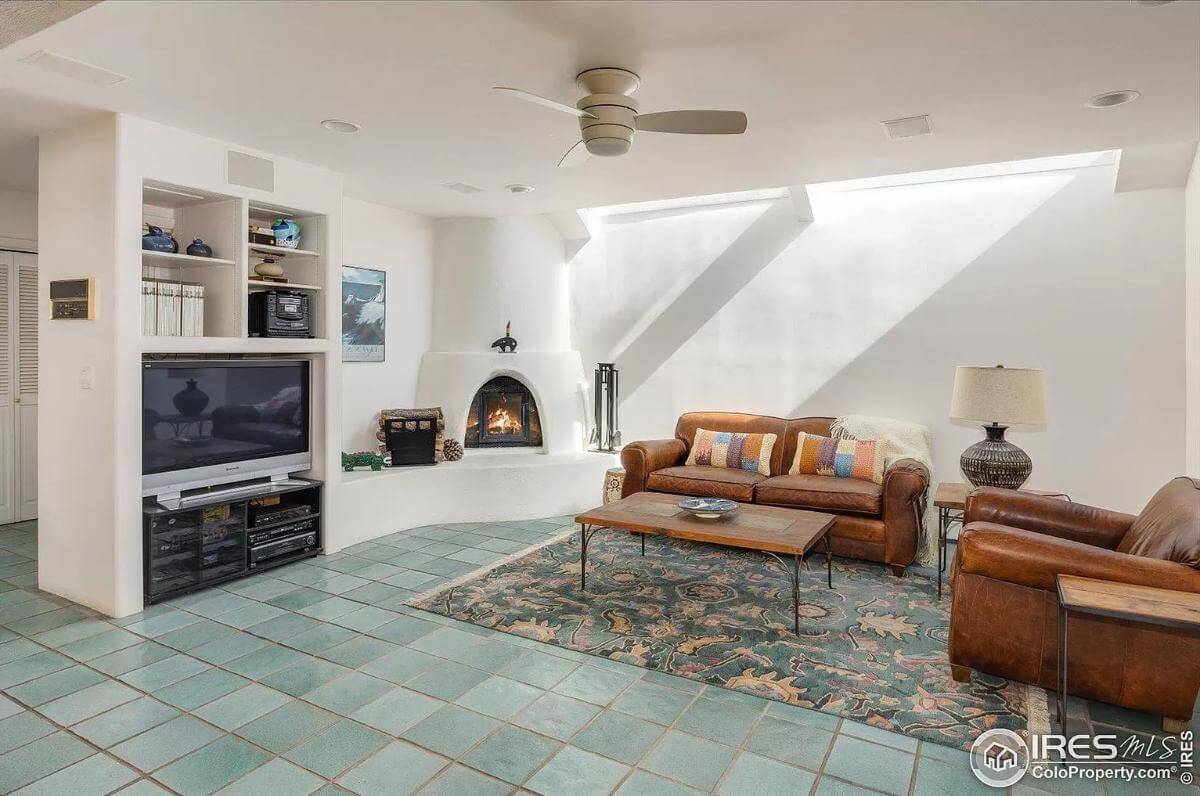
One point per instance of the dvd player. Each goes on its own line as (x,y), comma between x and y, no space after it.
(282,531)
(268,516)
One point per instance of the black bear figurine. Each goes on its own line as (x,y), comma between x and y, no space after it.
(507,344)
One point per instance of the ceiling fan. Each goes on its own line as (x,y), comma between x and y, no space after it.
(608,115)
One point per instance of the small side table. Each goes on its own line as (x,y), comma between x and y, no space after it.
(1142,604)
(950,499)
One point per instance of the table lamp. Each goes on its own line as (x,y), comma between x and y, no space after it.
(998,397)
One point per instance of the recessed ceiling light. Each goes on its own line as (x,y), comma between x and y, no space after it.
(339,126)
(1113,98)
(516,187)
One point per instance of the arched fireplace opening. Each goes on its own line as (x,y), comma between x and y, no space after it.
(503,415)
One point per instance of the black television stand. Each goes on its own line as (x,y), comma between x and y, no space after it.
(218,536)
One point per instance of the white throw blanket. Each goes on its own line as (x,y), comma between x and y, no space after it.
(904,441)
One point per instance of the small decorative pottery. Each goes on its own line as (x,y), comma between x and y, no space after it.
(287,233)
(156,240)
(198,248)
(268,267)
(191,400)
(708,508)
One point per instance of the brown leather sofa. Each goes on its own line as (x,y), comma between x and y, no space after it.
(876,523)
(1004,618)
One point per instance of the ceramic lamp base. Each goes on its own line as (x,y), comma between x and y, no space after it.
(995,461)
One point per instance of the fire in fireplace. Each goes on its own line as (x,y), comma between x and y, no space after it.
(503,414)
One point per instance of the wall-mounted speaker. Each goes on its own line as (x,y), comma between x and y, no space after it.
(250,171)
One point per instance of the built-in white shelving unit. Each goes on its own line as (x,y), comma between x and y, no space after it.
(190,214)
(304,267)
(228,277)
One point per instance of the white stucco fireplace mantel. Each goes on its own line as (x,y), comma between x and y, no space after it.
(450,379)
(561,478)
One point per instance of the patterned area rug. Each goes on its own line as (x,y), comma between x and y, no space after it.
(873,648)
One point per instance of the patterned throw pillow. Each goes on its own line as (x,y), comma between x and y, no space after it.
(734,451)
(840,458)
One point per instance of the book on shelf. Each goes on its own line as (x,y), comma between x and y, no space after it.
(168,308)
(172,309)
(191,309)
(149,306)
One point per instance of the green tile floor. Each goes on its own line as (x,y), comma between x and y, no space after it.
(318,678)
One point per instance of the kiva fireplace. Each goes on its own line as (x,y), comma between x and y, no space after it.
(503,415)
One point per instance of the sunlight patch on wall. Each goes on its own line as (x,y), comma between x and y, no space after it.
(630,273)
(870,259)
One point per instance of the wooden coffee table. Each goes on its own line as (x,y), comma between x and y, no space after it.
(774,531)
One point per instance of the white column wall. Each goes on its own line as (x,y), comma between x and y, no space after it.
(493,270)
(79,472)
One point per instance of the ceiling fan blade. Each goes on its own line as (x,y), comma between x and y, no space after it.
(575,156)
(544,102)
(697,122)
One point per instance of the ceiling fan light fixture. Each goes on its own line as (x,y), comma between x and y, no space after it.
(1111,99)
(608,147)
(340,126)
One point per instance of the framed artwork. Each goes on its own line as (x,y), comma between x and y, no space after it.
(364,314)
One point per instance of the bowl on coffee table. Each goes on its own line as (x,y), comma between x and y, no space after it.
(705,508)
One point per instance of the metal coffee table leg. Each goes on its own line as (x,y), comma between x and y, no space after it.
(586,532)
(793,574)
(828,560)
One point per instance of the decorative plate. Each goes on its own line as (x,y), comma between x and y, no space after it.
(708,508)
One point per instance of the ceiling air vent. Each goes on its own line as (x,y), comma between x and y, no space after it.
(907,127)
(251,172)
(76,70)
(461,187)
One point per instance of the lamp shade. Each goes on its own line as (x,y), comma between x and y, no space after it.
(1008,396)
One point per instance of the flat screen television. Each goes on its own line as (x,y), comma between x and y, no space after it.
(210,422)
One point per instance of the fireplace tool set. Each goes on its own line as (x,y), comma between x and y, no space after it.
(606,436)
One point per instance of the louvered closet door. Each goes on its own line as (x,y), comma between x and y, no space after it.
(8,443)
(25,385)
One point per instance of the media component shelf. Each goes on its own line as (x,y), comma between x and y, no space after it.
(213,539)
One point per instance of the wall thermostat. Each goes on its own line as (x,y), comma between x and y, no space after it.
(73,299)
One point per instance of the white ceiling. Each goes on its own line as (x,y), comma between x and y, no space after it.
(1001,81)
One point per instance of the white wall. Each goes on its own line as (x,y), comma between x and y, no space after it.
(400,243)
(493,270)
(18,220)
(78,479)
(1192,202)
(869,308)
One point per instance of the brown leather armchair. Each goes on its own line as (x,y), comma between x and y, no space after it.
(874,522)
(1004,617)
